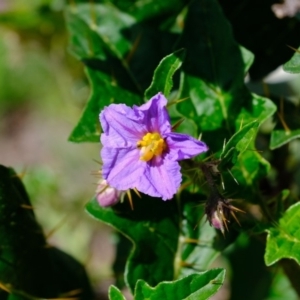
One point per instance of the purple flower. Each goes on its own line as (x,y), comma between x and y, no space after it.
(107,195)
(141,151)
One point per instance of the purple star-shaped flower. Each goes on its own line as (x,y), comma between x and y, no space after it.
(141,151)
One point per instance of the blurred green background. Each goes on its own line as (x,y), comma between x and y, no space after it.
(43,90)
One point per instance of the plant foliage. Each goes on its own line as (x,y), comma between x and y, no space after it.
(237,207)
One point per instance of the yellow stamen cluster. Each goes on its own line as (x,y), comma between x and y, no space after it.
(151,144)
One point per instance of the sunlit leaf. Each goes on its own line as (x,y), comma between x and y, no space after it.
(115,294)
(260,110)
(200,286)
(283,239)
(282,137)
(293,65)
(248,58)
(162,79)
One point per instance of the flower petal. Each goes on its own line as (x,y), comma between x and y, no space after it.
(156,116)
(162,178)
(122,167)
(122,126)
(182,146)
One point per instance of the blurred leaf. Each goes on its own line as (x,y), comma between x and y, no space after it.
(23,19)
(162,79)
(122,250)
(104,92)
(293,65)
(254,283)
(281,288)
(278,204)
(143,10)
(200,286)
(193,213)
(282,137)
(28,266)
(152,227)
(283,239)
(115,294)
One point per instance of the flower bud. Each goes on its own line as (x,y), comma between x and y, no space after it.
(216,221)
(218,211)
(217,214)
(107,195)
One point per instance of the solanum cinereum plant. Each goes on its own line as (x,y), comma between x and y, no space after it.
(199,176)
(186,200)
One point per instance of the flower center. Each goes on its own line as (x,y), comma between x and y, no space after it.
(151,144)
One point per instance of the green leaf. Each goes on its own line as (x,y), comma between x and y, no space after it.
(246,164)
(288,124)
(115,294)
(247,172)
(237,144)
(162,79)
(282,137)
(199,286)
(293,65)
(213,72)
(103,93)
(122,250)
(260,109)
(97,38)
(213,77)
(283,239)
(144,10)
(96,28)
(153,229)
(248,58)
(28,266)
